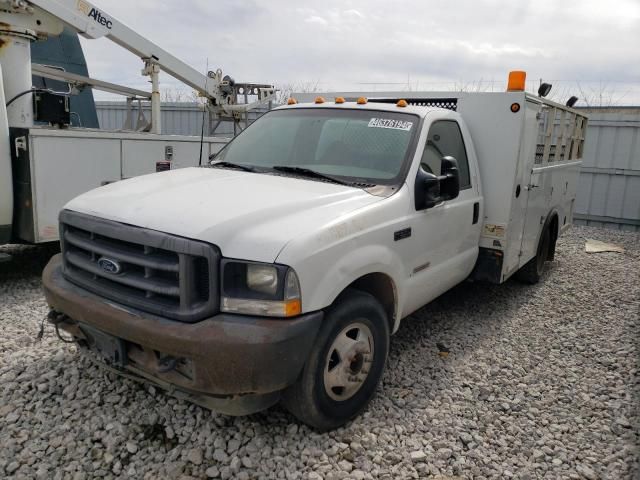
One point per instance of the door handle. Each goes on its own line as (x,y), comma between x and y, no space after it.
(476,212)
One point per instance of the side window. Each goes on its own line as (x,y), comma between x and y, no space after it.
(445,139)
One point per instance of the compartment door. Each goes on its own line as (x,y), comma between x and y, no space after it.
(63,167)
(539,190)
(522,189)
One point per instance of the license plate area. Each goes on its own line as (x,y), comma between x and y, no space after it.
(112,349)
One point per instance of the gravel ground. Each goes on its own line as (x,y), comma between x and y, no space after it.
(541,382)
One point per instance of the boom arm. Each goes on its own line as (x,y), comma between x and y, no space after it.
(93,23)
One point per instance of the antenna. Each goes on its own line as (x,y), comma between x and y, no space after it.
(203,112)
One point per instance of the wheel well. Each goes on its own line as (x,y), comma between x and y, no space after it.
(553,226)
(381,286)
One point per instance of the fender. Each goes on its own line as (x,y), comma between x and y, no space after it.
(547,223)
(337,254)
(351,267)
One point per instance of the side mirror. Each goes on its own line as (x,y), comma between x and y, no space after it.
(427,190)
(431,189)
(450,179)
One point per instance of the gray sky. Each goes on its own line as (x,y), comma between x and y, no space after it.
(585,47)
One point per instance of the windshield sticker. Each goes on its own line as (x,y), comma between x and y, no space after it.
(390,123)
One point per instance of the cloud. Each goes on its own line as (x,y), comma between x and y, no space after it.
(341,44)
(317,20)
(353,13)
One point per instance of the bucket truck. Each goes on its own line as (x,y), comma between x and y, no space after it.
(43,162)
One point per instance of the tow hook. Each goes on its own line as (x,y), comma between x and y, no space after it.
(167,364)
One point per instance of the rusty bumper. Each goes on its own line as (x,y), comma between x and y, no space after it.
(230,357)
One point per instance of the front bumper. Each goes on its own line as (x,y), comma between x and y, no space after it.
(244,362)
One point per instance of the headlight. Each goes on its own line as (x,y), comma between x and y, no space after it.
(262,278)
(260,289)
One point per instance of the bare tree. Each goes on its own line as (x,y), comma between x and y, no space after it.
(179,95)
(285,90)
(601,94)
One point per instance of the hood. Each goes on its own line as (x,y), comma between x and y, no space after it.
(247,215)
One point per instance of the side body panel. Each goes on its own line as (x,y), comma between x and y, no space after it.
(552,171)
(553,192)
(497,134)
(6,186)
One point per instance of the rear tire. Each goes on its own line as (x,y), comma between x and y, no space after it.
(532,271)
(345,364)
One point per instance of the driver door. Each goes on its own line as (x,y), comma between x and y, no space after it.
(445,245)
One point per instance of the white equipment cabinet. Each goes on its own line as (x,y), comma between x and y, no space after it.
(54,166)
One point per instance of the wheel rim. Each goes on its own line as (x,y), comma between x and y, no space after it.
(348,361)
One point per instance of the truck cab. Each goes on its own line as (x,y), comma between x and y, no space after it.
(279,272)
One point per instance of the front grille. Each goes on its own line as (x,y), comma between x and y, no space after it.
(155,272)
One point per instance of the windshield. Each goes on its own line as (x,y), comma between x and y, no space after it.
(363,146)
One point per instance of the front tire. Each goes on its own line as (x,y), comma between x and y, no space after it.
(345,364)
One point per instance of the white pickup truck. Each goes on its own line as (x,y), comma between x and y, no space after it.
(279,272)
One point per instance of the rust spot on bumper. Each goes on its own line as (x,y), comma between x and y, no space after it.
(229,355)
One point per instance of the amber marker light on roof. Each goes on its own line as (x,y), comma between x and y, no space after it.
(362,101)
(517,80)
(292,101)
(319,99)
(402,103)
(339,99)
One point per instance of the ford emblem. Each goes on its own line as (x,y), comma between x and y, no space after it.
(110,266)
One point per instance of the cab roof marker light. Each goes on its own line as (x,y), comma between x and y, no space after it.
(517,79)
(339,99)
(292,101)
(319,100)
(402,103)
(362,101)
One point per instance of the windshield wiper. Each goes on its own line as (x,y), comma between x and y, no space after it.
(238,166)
(307,172)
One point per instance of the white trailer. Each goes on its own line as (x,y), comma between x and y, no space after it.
(41,168)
